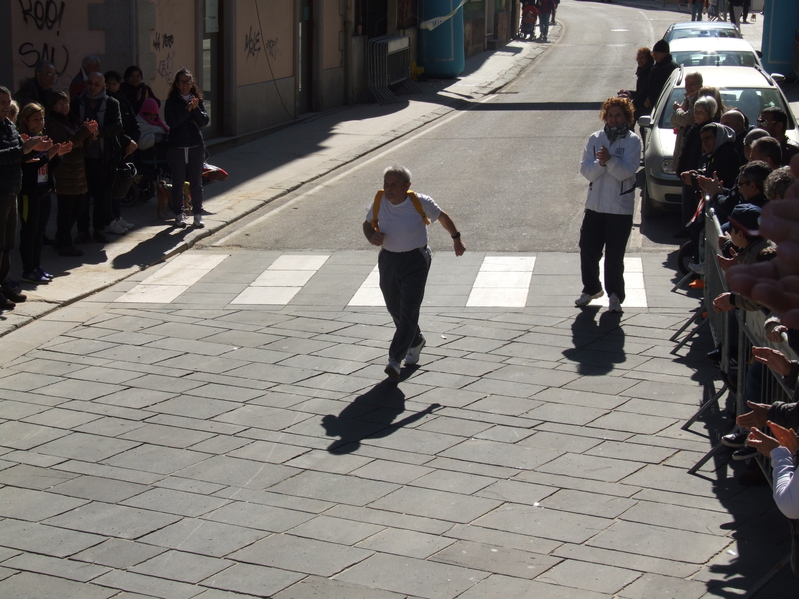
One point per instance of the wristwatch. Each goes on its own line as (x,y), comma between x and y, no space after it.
(456,236)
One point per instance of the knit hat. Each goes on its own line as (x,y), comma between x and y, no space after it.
(661,46)
(746,218)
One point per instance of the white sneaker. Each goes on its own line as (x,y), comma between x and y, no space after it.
(585,299)
(412,357)
(180,220)
(115,228)
(198,221)
(614,305)
(697,268)
(125,223)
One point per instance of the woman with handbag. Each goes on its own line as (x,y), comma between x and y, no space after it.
(185,116)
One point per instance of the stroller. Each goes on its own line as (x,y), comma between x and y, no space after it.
(529,18)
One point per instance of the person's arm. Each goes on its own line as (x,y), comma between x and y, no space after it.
(175,112)
(589,165)
(372,236)
(682,115)
(786,485)
(625,167)
(450,227)
(200,116)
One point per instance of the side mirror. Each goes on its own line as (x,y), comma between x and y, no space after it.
(778,77)
(645,121)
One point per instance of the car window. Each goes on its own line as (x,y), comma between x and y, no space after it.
(733,58)
(679,34)
(749,101)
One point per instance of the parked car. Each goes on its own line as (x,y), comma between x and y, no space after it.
(685,29)
(746,88)
(693,52)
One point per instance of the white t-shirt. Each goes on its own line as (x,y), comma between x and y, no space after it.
(402,224)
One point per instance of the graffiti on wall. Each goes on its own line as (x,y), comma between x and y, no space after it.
(163,44)
(45,16)
(271,48)
(163,40)
(252,44)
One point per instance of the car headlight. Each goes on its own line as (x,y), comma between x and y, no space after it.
(667,166)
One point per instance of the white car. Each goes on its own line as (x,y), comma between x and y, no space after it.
(746,88)
(700,29)
(693,52)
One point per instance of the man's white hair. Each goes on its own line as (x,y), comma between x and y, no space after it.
(399,170)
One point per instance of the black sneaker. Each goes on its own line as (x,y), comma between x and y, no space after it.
(736,439)
(745,453)
(13,295)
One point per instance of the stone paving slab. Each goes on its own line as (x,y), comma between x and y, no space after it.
(290,467)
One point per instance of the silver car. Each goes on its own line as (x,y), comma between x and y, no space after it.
(748,89)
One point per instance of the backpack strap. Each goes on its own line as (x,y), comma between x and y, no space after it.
(414,200)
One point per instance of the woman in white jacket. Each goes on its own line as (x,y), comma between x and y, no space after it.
(610,160)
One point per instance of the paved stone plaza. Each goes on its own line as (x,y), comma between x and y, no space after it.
(203,448)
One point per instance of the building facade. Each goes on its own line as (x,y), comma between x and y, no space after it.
(259,62)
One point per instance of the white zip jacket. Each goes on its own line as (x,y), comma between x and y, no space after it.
(611,188)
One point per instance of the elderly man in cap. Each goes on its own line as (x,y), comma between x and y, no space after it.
(663,67)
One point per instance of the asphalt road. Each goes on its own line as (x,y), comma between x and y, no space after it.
(505,168)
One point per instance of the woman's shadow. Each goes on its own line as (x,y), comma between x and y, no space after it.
(370,415)
(598,345)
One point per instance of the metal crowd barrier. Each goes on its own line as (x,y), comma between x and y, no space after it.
(735,333)
(735,338)
(388,62)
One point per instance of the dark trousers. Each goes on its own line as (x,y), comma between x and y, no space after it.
(69,207)
(8,233)
(186,164)
(403,276)
(99,177)
(611,232)
(690,200)
(34,212)
(543,24)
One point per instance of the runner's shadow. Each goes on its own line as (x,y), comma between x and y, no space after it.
(370,415)
(598,345)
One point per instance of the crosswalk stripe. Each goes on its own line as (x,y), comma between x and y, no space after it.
(369,293)
(284,278)
(168,282)
(502,281)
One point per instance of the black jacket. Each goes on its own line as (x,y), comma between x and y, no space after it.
(642,89)
(10,158)
(111,138)
(184,126)
(657,78)
(723,162)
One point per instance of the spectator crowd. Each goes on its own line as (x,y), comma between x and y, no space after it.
(747,173)
(85,147)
